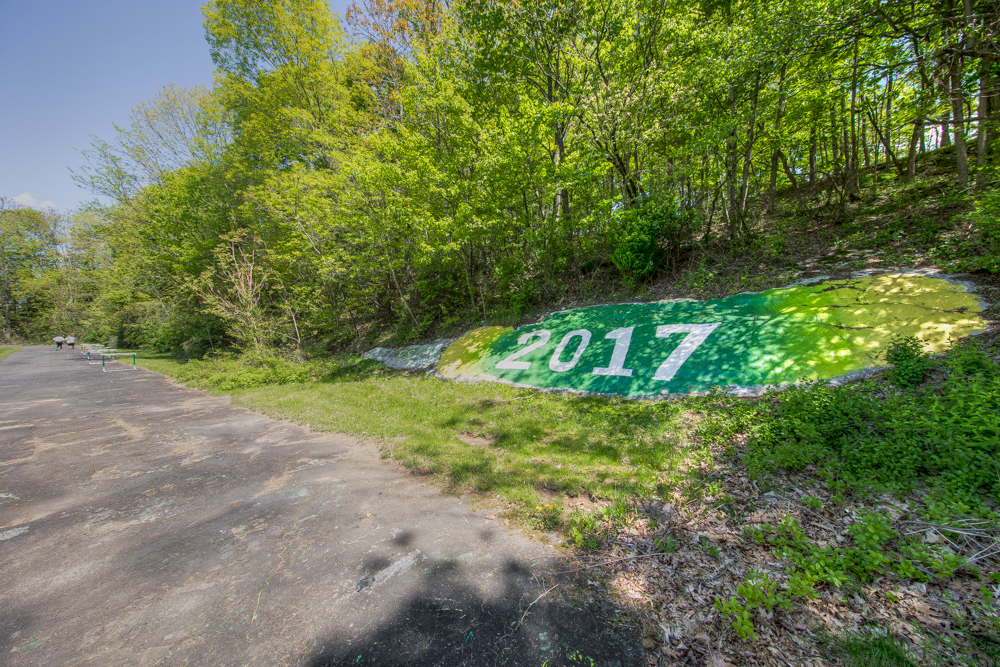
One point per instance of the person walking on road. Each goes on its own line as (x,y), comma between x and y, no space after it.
(59,341)
(71,341)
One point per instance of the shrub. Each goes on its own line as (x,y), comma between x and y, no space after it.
(229,372)
(650,237)
(986,222)
(909,361)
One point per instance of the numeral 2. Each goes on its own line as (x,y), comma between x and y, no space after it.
(509,363)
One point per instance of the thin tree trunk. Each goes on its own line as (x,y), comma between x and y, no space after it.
(889,153)
(982,139)
(864,142)
(812,153)
(958,111)
(911,157)
(835,139)
(790,173)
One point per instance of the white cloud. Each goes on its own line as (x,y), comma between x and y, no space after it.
(25,199)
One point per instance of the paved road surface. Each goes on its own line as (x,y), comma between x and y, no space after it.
(143,523)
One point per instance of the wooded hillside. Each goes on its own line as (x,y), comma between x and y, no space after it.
(472,160)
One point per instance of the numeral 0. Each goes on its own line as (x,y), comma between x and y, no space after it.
(563,366)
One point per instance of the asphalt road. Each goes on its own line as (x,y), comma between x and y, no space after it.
(144,523)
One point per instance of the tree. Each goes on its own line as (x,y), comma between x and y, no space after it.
(175,128)
(28,249)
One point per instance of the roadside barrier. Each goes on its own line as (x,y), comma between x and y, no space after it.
(94,355)
(114,359)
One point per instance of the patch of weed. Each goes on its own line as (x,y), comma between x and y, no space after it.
(871,437)
(872,648)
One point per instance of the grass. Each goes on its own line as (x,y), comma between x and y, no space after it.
(536,451)
(872,649)
(7,351)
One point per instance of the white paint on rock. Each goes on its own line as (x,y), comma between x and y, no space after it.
(412,357)
(14,532)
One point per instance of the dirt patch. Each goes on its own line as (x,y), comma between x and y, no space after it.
(475,440)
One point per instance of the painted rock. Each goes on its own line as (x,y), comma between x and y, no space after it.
(745,342)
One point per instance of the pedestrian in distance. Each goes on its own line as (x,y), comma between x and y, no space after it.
(71,341)
(59,341)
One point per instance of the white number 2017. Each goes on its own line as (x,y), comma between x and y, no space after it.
(543,338)
(696,335)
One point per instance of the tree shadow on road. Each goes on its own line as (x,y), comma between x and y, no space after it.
(533,620)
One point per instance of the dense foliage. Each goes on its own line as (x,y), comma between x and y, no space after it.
(466,161)
(945,435)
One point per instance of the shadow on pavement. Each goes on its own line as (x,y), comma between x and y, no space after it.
(530,621)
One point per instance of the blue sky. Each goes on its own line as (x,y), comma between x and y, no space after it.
(71,68)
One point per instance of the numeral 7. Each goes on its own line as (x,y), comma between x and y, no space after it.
(696,335)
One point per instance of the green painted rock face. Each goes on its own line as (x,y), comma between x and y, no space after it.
(813,332)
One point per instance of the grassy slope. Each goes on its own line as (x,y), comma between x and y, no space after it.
(7,351)
(543,454)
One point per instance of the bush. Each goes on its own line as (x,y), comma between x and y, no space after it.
(909,361)
(650,237)
(986,221)
(949,436)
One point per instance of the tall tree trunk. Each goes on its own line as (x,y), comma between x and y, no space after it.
(777,129)
(747,157)
(852,173)
(731,166)
(926,90)
(888,119)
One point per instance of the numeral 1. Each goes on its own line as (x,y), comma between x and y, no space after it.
(622,338)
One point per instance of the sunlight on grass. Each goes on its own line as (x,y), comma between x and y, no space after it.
(531,449)
(7,351)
